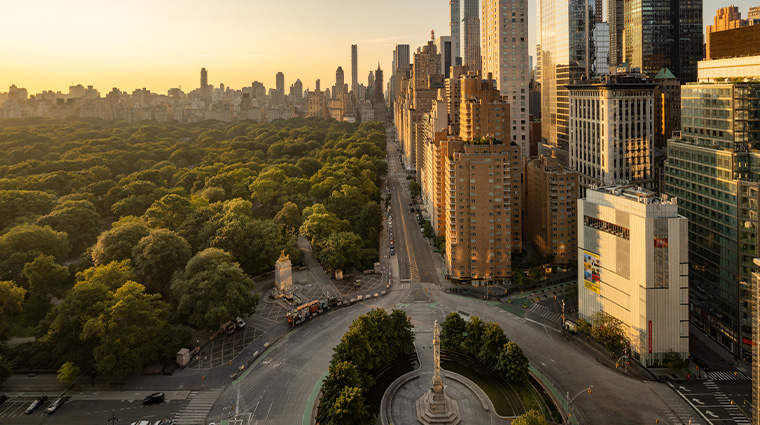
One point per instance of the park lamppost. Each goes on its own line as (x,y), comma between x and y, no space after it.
(570,400)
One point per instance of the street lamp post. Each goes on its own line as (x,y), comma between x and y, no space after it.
(570,400)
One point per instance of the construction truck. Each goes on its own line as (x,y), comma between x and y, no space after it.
(306,311)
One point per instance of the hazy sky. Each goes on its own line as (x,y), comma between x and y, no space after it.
(159,44)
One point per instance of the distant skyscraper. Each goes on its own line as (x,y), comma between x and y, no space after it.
(601,34)
(400,60)
(564,60)
(505,56)
(204,78)
(469,35)
(317,84)
(354,70)
(280,82)
(664,34)
(371,79)
(445,48)
(379,86)
(615,19)
(339,81)
(598,17)
(455,27)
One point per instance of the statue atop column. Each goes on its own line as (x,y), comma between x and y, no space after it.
(437,382)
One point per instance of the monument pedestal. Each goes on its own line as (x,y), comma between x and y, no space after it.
(283,277)
(438,409)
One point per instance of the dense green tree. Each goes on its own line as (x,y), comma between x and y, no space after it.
(78,219)
(129,330)
(347,203)
(414,188)
(63,327)
(68,373)
(341,250)
(318,226)
(45,278)
(24,243)
(491,345)
(350,408)
(254,244)
(675,362)
(110,276)
(213,289)
(158,255)
(19,203)
(118,243)
(453,332)
(533,417)
(288,219)
(11,299)
(512,364)
(340,375)
(475,330)
(169,212)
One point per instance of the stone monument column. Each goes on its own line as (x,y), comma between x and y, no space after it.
(437,381)
(283,277)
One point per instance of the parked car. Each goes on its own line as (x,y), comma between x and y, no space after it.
(164,422)
(154,398)
(60,401)
(393,252)
(230,327)
(36,404)
(240,322)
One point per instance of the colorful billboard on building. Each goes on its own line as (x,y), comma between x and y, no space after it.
(591,271)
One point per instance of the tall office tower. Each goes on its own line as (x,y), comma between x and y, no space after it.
(455,23)
(400,60)
(204,78)
(444,46)
(354,70)
(280,82)
(633,265)
(317,84)
(611,131)
(339,81)
(483,111)
(601,34)
(505,56)
(598,16)
(549,208)
(565,59)
(454,95)
(469,33)
(664,34)
(482,201)
(371,79)
(616,21)
(298,90)
(379,99)
(712,169)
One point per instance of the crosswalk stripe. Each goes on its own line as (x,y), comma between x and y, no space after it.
(197,409)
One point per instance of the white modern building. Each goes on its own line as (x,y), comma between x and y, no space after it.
(633,264)
(504,47)
(612,131)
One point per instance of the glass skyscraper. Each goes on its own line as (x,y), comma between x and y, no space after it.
(565,58)
(714,171)
(663,34)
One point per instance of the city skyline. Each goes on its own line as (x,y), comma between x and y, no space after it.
(147,44)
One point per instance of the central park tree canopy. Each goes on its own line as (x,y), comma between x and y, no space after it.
(117,237)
